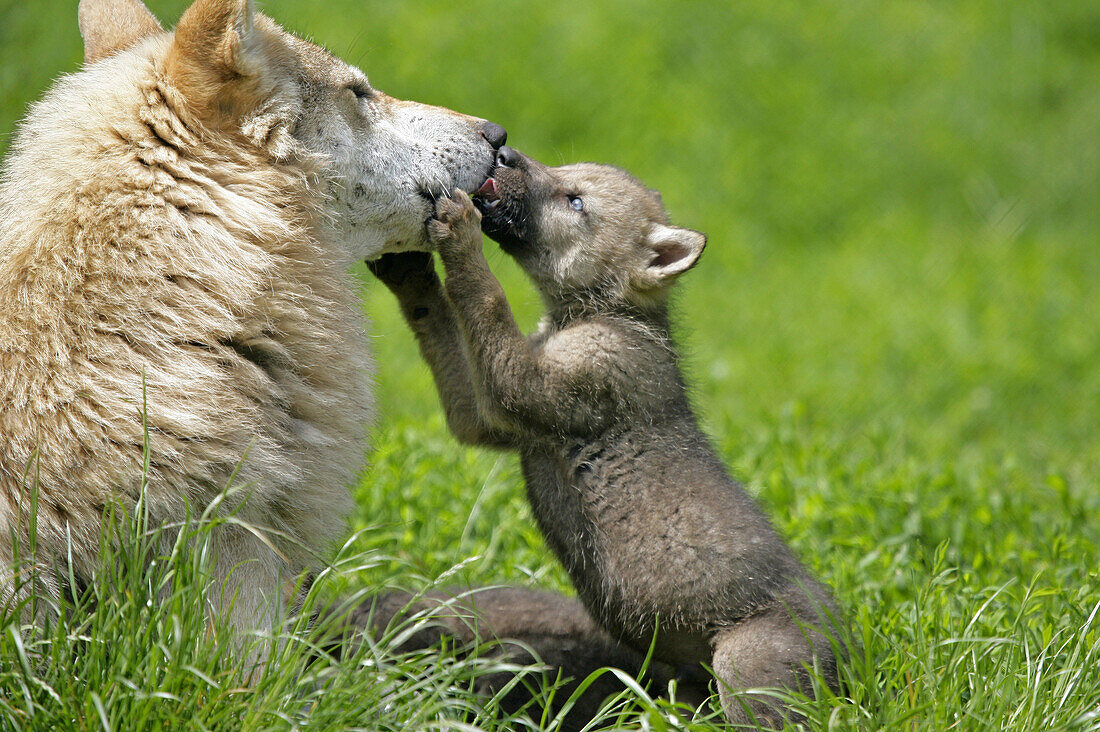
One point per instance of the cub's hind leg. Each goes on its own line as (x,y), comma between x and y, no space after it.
(769,650)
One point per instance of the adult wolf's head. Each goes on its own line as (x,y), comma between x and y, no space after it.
(233,72)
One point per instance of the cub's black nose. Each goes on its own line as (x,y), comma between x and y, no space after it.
(507,157)
(494,134)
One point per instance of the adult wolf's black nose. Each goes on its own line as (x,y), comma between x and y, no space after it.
(507,157)
(494,134)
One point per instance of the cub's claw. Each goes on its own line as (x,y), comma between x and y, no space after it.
(456,222)
(456,208)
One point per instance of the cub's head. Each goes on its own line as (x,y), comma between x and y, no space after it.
(585,231)
(233,73)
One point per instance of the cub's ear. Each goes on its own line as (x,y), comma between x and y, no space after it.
(109,26)
(225,56)
(671,251)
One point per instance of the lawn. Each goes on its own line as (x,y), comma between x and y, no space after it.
(893,338)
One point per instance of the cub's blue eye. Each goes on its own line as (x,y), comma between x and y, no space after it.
(576,203)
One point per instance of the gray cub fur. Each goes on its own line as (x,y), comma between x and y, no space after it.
(656,536)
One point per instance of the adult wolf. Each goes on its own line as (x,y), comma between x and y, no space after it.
(177,218)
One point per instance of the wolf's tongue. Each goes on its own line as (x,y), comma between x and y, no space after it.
(488,188)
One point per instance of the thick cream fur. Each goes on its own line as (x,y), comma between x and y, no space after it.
(179,217)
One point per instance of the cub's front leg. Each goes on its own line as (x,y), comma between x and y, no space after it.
(529,391)
(411,277)
(456,233)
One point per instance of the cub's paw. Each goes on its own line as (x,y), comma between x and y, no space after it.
(404,270)
(456,226)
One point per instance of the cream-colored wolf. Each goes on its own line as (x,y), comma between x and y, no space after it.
(179,217)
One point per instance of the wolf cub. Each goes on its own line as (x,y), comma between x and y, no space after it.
(656,537)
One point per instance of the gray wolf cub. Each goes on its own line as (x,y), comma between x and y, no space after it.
(656,537)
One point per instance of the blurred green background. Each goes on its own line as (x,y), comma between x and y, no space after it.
(894,334)
(902,198)
(895,330)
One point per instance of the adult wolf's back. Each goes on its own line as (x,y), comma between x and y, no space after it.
(181,214)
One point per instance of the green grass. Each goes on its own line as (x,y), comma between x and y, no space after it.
(894,337)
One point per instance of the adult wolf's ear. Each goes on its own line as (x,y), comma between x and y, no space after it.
(670,252)
(109,26)
(223,53)
(214,38)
